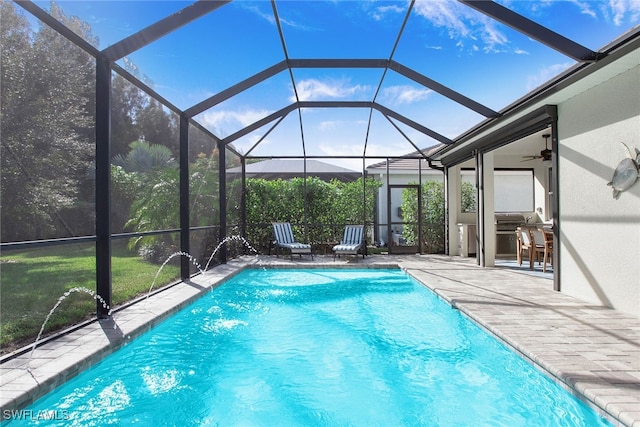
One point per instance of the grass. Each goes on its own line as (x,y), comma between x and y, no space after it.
(33,280)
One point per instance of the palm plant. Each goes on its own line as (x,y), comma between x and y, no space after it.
(144,158)
(156,173)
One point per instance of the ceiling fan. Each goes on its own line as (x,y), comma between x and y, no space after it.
(545,154)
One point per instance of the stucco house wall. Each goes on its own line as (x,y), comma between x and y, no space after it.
(600,236)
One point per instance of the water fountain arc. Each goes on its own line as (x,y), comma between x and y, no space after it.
(235,237)
(60,300)
(106,306)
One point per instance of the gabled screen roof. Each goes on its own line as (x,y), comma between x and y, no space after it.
(348,78)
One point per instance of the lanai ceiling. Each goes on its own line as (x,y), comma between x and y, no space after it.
(347,79)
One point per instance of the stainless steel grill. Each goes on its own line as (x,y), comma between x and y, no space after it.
(506,241)
(508,221)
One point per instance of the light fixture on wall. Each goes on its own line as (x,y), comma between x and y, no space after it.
(626,173)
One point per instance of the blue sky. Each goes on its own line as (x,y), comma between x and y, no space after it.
(443,40)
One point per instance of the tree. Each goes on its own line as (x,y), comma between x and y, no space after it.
(126,101)
(432,219)
(47,133)
(350,201)
(130,177)
(155,209)
(16,52)
(157,126)
(125,187)
(145,191)
(468,197)
(144,158)
(433,213)
(204,190)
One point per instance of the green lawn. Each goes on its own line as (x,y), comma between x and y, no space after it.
(33,280)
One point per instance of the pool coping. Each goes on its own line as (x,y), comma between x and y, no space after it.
(602,365)
(500,301)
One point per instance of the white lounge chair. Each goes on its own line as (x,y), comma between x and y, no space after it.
(352,241)
(284,240)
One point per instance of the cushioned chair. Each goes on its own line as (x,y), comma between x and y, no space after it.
(352,241)
(283,236)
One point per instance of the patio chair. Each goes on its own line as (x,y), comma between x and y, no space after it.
(284,240)
(352,241)
(523,243)
(543,246)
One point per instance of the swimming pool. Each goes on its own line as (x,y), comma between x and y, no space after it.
(315,347)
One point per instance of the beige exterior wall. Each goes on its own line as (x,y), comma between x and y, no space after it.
(600,236)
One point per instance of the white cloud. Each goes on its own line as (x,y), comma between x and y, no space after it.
(329,125)
(353,147)
(391,143)
(245,144)
(269,17)
(461,23)
(314,89)
(545,75)
(620,9)
(224,122)
(380,12)
(342,149)
(585,8)
(446,14)
(538,7)
(492,37)
(613,11)
(404,94)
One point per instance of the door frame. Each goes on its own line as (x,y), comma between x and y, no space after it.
(403,249)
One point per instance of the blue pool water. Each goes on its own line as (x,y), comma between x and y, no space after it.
(315,347)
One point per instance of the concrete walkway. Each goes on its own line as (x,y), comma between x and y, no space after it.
(592,351)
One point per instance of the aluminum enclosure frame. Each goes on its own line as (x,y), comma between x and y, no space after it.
(105,66)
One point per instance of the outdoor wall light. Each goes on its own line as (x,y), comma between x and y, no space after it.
(626,174)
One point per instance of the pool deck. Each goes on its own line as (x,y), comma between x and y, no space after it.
(593,352)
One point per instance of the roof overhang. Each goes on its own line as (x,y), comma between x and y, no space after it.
(539,108)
